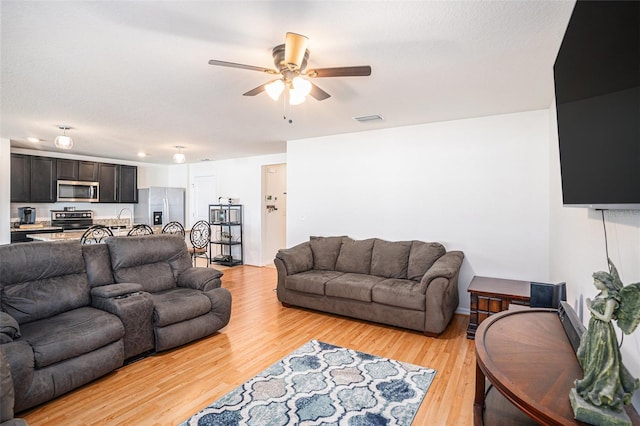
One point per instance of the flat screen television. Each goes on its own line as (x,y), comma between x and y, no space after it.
(597,88)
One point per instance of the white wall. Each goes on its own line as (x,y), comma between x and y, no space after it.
(5,191)
(478,185)
(240,179)
(577,250)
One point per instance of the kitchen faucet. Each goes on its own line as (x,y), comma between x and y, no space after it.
(130,216)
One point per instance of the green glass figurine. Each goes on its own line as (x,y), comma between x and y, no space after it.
(599,397)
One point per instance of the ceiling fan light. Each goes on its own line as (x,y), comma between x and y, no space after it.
(274,89)
(295,98)
(294,50)
(301,86)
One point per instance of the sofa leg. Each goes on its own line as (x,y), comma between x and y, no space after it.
(286,305)
(430,334)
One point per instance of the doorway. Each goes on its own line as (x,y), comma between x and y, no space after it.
(274,211)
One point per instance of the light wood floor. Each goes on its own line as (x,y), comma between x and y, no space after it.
(169,387)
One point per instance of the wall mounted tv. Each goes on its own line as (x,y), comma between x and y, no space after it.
(597,85)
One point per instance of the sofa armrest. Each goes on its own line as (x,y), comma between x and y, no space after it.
(200,278)
(22,364)
(296,259)
(115,290)
(134,308)
(441,296)
(9,328)
(447,266)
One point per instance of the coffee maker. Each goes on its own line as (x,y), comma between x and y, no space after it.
(27,215)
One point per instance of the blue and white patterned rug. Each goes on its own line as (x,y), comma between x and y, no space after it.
(322,384)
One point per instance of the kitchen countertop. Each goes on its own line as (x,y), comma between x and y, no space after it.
(38,229)
(56,236)
(76,235)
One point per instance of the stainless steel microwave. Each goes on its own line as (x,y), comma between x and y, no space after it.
(74,190)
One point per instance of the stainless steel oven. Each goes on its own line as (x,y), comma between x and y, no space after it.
(72,220)
(74,190)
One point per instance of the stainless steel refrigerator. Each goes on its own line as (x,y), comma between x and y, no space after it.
(158,206)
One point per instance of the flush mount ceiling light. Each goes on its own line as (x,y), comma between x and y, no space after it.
(179,157)
(63,141)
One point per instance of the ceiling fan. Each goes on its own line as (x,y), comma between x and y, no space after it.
(290,60)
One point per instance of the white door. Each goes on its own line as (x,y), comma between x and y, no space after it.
(274,210)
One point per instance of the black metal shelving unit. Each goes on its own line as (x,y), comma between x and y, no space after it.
(226,246)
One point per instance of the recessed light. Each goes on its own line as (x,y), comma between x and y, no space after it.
(33,140)
(142,154)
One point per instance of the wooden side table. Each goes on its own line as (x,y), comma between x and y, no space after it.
(492,295)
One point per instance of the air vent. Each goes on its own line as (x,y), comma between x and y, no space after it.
(367,118)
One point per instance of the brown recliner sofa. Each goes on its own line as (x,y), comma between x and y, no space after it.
(72,313)
(409,284)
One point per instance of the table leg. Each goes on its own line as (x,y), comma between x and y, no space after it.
(478,402)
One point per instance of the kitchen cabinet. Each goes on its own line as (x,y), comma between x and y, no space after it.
(33,179)
(67,169)
(43,180)
(20,178)
(108,179)
(118,183)
(128,184)
(88,171)
(77,170)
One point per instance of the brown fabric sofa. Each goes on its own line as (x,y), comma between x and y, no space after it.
(409,284)
(72,313)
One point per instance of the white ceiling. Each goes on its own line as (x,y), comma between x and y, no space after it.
(133,75)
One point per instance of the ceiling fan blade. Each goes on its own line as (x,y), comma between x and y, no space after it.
(295,47)
(242,66)
(359,71)
(255,91)
(318,93)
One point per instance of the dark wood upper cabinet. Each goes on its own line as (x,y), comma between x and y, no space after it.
(128,184)
(88,171)
(67,169)
(43,180)
(108,178)
(77,170)
(20,178)
(34,179)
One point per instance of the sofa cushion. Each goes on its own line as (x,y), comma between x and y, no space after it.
(310,281)
(134,251)
(179,304)
(390,259)
(352,286)
(422,257)
(355,256)
(325,252)
(402,293)
(57,284)
(153,276)
(98,264)
(71,334)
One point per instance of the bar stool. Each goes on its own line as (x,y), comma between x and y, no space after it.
(140,230)
(95,234)
(200,237)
